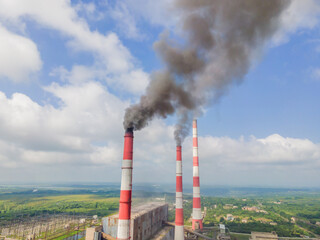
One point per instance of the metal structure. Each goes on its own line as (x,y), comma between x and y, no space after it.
(179,233)
(196,211)
(126,188)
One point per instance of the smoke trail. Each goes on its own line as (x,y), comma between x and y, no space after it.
(182,126)
(222,40)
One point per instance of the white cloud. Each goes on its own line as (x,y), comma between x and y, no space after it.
(64,142)
(270,161)
(273,149)
(88,113)
(300,15)
(126,21)
(133,81)
(111,57)
(60,15)
(85,129)
(19,56)
(85,133)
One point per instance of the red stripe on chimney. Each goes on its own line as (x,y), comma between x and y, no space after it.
(196,182)
(196,202)
(179,216)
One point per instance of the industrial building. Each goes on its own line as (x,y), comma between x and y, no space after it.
(146,222)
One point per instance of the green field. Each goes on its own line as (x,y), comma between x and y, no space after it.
(79,204)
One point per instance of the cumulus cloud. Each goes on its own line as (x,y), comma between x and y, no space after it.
(133,81)
(87,113)
(271,161)
(273,149)
(300,15)
(113,57)
(83,132)
(79,133)
(60,15)
(152,157)
(19,56)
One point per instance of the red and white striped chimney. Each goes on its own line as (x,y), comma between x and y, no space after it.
(179,231)
(126,187)
(196,211)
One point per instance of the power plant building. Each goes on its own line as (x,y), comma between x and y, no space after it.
(146,222)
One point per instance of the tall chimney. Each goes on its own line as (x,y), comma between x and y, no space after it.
(196,211)
(126,188)
(179,229)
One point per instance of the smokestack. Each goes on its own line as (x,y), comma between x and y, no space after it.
(196,211)
(179,231)
(126,187)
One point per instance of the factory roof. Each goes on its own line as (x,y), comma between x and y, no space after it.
(142,209)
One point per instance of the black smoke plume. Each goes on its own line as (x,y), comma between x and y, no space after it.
(222,38)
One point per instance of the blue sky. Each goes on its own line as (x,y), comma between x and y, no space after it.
(69,69)
(280,95)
